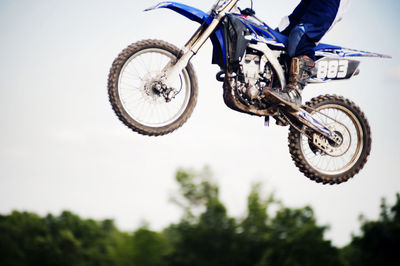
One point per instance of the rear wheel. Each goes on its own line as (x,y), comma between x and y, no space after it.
(131,88)
(337,162)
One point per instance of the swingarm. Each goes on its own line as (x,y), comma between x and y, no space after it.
(327,136)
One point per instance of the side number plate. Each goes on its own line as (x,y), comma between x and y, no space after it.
(332,68)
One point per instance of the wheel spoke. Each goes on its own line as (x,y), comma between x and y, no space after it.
(138,98)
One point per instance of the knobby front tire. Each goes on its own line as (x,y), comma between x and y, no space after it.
(139,107)
(350,158)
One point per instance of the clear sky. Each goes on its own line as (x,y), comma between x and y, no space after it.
(62,147)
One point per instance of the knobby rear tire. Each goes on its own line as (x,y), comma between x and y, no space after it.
(117,103)
(297,153)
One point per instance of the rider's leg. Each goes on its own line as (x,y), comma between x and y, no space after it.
(300,71)
(300,48)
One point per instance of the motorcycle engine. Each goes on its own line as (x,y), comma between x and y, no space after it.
(256,76)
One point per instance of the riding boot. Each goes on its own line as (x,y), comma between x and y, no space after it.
(300,71)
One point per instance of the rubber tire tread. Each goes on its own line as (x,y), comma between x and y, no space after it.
(294,139)
(116,104)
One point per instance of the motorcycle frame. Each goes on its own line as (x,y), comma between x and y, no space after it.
(210,28)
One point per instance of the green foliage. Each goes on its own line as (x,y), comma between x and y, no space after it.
(254,233)
(209,238)
(149,248)
(298,240)
(205,235)
(292,237)
(27,239)
(379,241)
(195,190)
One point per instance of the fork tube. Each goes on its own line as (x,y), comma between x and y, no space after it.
(202,38)
(194,44)
(202,34)
(195,37)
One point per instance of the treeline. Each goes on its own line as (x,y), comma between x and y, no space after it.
(205,236)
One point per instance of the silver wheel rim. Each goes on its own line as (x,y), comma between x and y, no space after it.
(140,103)
(336,165)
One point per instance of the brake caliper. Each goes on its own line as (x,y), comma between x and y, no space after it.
(161,88)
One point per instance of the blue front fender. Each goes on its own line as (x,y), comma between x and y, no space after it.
(187,11)
(194,14)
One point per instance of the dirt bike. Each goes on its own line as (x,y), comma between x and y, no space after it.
(153,88)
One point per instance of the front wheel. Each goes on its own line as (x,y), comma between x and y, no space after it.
(133,97)
(340,161)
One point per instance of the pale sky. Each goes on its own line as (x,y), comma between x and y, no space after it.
(62,147)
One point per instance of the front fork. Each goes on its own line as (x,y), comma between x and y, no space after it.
(171,72)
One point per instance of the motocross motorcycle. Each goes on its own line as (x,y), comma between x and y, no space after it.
(153,88)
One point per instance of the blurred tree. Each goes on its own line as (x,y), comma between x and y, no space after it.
(379,242)
(149,248)
(21,234)
(206,239)
(205,235)
(292,237)
(254,233)
(195,190)
(27,239)
(296,239)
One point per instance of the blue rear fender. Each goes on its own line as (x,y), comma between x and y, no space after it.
(194,14)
